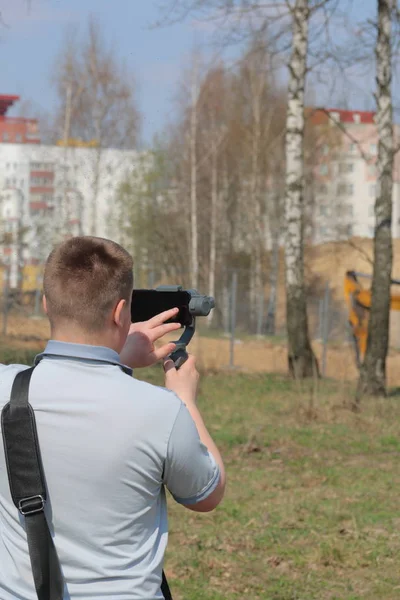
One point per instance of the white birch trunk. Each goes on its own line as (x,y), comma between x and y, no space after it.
(373,372)
(302,362)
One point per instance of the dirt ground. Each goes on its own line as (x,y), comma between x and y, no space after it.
(214,353)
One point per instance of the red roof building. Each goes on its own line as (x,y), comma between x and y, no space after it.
(322,116)
(16,130)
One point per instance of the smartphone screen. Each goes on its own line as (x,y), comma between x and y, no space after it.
(146,304)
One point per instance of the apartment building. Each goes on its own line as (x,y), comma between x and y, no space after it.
(346,175)
(47,192)
(16,130)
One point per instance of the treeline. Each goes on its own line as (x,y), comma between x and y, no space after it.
(233,177)
(212,197)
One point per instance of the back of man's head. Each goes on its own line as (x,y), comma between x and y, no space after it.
(84,279)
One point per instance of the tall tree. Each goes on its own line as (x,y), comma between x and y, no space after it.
(302,362)
(286,27)
(373,372)
(96,101)
(193,134)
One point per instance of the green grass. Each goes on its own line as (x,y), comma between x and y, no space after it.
(311,510)
(312,504)
(9,355)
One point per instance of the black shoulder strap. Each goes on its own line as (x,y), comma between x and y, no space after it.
(28,489)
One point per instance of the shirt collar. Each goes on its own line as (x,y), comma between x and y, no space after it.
(99,354)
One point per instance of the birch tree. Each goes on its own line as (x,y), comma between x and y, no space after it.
(373,372)
(286,26)
(302,362)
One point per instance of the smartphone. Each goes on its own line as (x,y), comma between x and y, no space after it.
(146,304)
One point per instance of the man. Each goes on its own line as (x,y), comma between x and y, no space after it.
(109,442)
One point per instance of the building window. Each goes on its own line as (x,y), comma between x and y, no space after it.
(322,188)
(371,210)
(18,138)
(322,231)
(372,190)
(357,118)
(5,137)
(323,169)
(350,189)
(349,210)
(346,168)
(341,189)
(371,231)
(372,149)
(323,211)
(40,181)
(372,170)
(325,151)
(38,166)
(352,148)
(349,230)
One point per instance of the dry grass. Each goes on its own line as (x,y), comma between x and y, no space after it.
(251,355)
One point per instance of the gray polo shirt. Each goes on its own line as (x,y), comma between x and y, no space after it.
(109,445)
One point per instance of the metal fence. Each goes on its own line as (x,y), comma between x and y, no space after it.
(327,320)
(240,313)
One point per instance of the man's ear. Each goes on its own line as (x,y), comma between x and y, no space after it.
(44,302)
(118,312)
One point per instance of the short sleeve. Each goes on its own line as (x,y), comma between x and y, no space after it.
(190,473)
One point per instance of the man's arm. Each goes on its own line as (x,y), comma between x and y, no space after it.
(195,472)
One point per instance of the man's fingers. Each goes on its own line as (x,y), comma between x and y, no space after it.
(169,365)
(164,351)
(162,317)
(158,332)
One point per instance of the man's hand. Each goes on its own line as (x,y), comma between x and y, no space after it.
(139,350)
(184,382)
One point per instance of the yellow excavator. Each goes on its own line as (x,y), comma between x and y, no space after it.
(358,300)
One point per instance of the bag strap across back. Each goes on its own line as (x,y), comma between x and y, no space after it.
(28,489)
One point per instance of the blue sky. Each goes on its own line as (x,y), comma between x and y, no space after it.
(30,40)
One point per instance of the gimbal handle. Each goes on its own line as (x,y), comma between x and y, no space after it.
(179,356)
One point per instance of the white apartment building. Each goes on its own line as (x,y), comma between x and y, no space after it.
(49,191)
(346,176)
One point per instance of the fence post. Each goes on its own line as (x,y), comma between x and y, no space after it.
(37,295)
(233,319)
(325,328)
(260,319)
(150,279)
(321,305)
(6,294)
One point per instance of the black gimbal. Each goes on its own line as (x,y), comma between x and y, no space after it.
(191,304)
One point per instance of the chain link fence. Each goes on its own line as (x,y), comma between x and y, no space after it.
(242,314)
